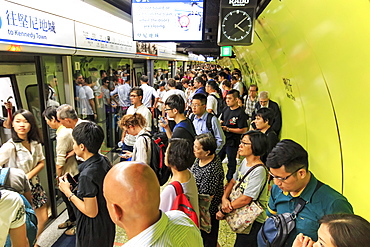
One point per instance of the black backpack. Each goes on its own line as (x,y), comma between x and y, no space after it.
(157,159)
(208,122)
(276,229)
(221,104)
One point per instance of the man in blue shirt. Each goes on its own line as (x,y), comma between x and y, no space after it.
(288,164)
(200,118)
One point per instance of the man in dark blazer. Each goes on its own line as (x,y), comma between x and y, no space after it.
(264,101)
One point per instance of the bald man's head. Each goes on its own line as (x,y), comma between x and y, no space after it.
(132,192)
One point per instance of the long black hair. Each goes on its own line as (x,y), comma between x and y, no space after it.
(33,134)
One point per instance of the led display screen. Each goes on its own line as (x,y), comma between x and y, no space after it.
(167,20)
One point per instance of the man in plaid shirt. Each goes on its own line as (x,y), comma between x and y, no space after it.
(250,101)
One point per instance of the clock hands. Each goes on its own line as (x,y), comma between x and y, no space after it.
(241,21)
(237,25)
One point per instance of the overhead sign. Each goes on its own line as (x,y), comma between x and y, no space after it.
(100,39)
(167,20)
(22,25)
(226,51)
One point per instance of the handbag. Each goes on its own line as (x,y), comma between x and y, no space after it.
(205,217)
(240,219)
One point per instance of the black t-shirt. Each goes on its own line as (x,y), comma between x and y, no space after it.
(234,119)
(184,129)
(272,141)
(98,231)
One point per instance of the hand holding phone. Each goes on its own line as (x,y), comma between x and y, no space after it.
(71,181)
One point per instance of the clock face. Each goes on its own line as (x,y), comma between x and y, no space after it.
(236,25)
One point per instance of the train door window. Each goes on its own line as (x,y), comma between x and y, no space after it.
(54,78)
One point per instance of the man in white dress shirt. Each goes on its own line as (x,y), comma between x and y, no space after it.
(132,192)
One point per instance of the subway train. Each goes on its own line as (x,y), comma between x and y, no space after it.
(312,56)
(47,43)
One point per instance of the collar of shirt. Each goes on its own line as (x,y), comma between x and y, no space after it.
(149,236)
(307,192)
(59,129)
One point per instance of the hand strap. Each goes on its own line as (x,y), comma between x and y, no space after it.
(249,171)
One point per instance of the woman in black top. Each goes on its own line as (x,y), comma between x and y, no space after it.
(209,176)
(263,122)
(94,226)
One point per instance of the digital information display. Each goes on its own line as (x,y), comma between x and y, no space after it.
(167,20)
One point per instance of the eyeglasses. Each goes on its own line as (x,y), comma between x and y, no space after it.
(196,105)
(245,143)
(133,95)
(283,179)
(168,109)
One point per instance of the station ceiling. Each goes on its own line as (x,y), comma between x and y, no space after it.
(208,47)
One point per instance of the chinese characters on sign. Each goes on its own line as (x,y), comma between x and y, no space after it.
(288,88)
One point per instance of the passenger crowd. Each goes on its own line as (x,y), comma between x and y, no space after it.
(205,117)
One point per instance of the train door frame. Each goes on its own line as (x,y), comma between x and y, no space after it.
(50,163)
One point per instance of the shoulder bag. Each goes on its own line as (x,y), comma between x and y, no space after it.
(241,218)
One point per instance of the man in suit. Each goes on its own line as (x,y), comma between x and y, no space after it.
(264,101)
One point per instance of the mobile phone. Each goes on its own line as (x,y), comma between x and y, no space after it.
(162,120)
(71,181)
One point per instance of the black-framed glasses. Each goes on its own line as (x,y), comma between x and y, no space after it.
(168,109)
(283,179)
(245,143)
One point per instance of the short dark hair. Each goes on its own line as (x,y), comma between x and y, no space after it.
(144,78)
(233,78)
(208,142)
(102,72)
(234,92)
(50,113)
(171,82)
(226,82)
(253,85)
(180,154)
(213,85)
(259,142)
(200,80)
(347,229)
(266,114)
(175,101)
(289,154)
(90,134)
(201,97)
(223,74)
(138,91)
(33,134)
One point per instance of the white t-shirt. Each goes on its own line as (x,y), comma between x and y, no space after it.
(143,110)
(212,102)
(148,92)
(12,213)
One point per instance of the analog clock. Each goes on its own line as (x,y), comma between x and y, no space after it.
(236,25)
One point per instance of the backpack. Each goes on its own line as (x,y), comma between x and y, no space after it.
(157,159)
(183,204)
(186,125)
(276,229)
(221,104)
(31,219)
(208,122)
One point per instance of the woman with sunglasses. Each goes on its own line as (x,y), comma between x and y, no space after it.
(253,144)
